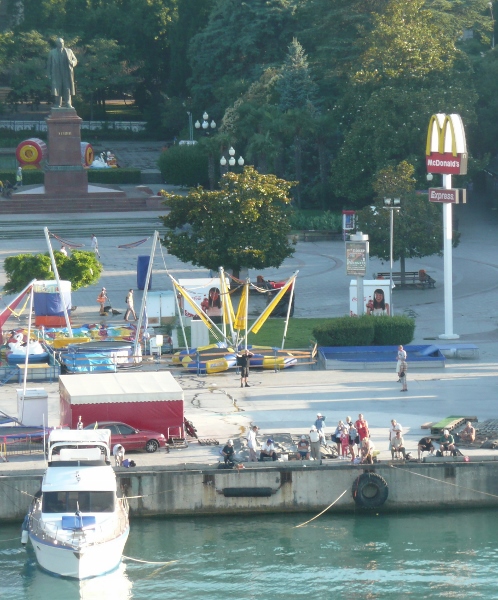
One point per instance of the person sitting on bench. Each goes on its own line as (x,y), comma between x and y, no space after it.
(425,445)
(303,447)
(398,445)
(268,451)
(447,443)
(228,452)
(468,435)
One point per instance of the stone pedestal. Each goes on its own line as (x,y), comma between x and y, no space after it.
(64,173)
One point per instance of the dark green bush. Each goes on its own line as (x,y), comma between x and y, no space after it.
(365,331)
(114,176)
(392,331)
(184,165)
(29,176)
(346,331)
(313,220)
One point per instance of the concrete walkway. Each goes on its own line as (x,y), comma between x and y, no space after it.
(288,401)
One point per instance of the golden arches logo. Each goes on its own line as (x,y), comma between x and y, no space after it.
(445,135)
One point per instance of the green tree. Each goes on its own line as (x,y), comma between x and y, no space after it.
(24,66)
(240,40)
(104,72)
(418,225)
(244,224)
(410,69)
(81,268)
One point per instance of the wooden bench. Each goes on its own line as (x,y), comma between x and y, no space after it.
(411,278)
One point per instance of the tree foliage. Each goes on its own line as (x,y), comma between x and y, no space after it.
(81,268)
(244,224)
(418,229)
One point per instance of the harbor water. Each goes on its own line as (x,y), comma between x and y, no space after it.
(363,556)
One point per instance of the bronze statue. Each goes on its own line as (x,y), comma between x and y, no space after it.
(61,62)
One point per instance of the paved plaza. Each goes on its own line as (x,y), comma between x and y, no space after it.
(288,401)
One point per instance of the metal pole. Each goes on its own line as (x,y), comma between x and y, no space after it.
(144,297)
(448,265)
(391,245)
(56,273)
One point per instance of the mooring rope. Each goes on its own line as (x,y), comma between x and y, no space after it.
(323,511)
(446,482)
(149,562)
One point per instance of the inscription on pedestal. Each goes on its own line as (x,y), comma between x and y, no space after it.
(64,174)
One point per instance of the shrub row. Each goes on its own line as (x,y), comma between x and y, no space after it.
(309,220)
(365,331)
(109,176)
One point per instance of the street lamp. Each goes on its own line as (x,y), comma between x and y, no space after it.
(231,161)
(190,128)
(205,123)
(391,204)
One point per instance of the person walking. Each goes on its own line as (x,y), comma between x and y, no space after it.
(401,355)
(243,359)
(19,177)
(320,427)
(252,443)
(95,245)
(130,310)
(102,299)
(402,375)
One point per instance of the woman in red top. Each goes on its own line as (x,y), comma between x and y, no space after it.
(362,428)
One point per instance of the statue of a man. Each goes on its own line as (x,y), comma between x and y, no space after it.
(61,62)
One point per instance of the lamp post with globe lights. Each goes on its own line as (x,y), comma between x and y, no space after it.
(205,125)
(231,161)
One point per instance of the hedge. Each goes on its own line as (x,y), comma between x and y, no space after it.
(365,331)
(109,176)
(184,165)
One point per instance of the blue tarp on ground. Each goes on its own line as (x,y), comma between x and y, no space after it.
(379,356)
(88,363)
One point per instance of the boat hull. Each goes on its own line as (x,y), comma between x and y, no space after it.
(87,561)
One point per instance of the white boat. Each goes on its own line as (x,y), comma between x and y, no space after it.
(78,526)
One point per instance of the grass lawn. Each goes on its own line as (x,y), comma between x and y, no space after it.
(299,333)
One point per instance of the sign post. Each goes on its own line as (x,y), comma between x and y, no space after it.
(446,153)
(356,263)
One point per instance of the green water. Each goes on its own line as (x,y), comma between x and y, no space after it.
(423,555)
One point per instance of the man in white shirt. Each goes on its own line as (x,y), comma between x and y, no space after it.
(395,427)
(118,452)
(315,444)
(267,450)
(252,444)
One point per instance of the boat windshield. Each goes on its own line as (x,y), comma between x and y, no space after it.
(64,502)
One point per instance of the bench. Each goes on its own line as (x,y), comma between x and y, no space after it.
(411,278)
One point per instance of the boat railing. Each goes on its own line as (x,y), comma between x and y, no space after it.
(103,532)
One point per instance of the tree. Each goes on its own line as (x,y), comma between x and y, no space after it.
(81,268)
(418,229)
(244,224)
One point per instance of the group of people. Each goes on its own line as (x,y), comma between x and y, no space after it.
(353,440)
(266,451)
(447,442)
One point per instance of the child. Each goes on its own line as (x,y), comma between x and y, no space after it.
(344,443)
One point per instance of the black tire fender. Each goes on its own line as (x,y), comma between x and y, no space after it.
(370,490)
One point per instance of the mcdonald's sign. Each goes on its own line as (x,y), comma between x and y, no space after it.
(446,148)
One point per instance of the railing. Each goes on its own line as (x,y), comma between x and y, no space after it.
(22,445)
(16,125)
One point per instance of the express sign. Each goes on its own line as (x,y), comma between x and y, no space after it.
(446,148)
(453,196)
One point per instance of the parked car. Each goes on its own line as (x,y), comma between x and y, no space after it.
(131,438)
